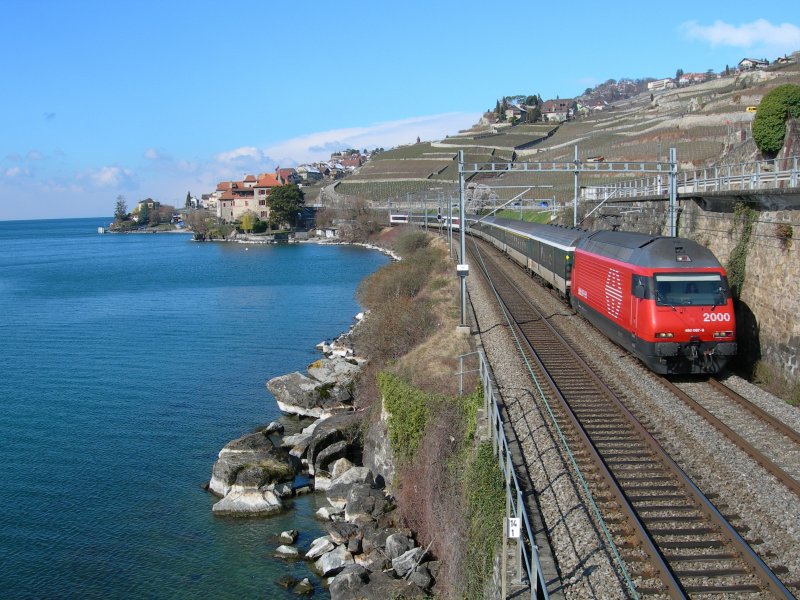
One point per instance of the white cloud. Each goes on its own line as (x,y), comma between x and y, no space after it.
(110,177)
(760,34)
(12,172)
(247,153)
(35,155)
(318,146)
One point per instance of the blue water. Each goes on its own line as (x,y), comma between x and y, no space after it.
(126,363)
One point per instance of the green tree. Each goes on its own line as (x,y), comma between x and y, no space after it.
(248,221)
(678,73)
(121,209)
(188,203)
(144,214)
(285,202)
(769,124)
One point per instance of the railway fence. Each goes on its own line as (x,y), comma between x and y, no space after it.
(749,176)
(526,552)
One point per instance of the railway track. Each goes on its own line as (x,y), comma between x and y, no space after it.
(771,443)
(670,540)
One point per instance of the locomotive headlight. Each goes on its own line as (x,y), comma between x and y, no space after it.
(723,334)
(664,334)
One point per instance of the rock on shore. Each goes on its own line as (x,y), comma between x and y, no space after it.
(326,389)
(246,474)
(367,554)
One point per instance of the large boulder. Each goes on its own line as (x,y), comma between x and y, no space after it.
(374,560)
(339,467)
(334,561)
(298,394)
(286,551)
(320,546)
(347,583)
(248,463)
(248,503)
(340,486)
(298,442)
(289,536)
(303,588)
(375,537)
(333,371)
(342,427)
(407,561)
(274,427)
(328,455)
(398,544)
(422,577)
(341,532)
(365,503)
(329,513)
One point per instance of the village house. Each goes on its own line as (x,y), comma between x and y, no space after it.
(309,173)
(692,78)
(748,64)
(249,195)
(558,110)
(516,112)
(287,176)
(266,183)
(148,204)
(661,84)
(352,162)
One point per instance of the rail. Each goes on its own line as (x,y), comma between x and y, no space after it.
(528,552)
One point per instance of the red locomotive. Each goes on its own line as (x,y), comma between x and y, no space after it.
(666,300)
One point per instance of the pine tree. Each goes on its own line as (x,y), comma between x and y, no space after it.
(188,203)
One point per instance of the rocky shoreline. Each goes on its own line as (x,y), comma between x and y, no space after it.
(365,553)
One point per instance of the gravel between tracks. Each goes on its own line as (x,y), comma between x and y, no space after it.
(716,465)
(586,567)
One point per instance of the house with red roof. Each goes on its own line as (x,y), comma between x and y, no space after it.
(234,198)
(558,109)
(285,176)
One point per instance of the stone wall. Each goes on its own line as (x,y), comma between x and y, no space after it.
(767,312)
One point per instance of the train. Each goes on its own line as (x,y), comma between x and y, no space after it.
(666,300)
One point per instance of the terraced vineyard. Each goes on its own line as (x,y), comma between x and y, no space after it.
(704,123)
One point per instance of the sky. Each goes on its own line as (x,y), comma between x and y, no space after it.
(159,98)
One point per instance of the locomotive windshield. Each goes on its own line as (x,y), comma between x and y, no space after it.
(691,289)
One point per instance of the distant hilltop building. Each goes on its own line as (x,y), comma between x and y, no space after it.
(748,64)
(691,78)
(661,84)
(559,109)
(516,112)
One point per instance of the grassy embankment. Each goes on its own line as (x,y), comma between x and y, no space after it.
(448,485)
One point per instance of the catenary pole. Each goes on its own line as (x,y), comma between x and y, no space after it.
(461,226)
(673,192)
